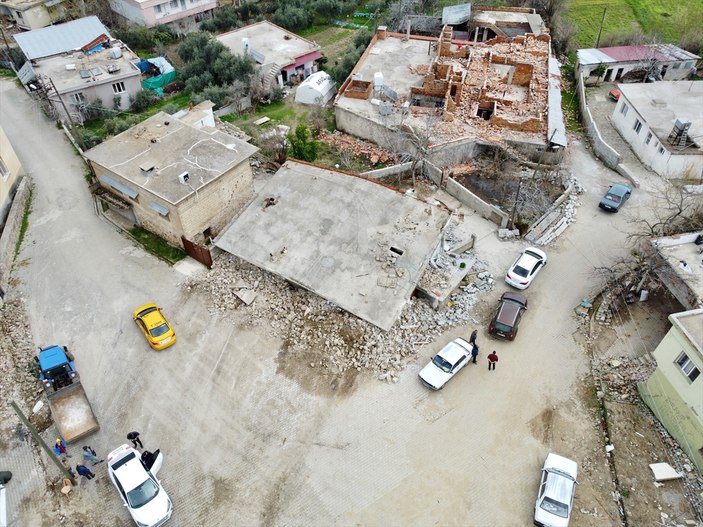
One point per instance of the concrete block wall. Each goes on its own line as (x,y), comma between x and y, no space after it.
(471,200)
(217,203)
(603,150)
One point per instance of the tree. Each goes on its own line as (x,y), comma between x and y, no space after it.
(302,146)
(237,92)
(676,210)
(143,100)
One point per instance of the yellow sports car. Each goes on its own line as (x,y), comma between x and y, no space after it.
(158,332)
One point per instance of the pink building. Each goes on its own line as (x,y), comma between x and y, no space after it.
(183,16)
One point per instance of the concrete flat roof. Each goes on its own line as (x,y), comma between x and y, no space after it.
(275,43)
(334,233)
(94,67)
(681,248)
(172,148)
(661,103)
(691,322)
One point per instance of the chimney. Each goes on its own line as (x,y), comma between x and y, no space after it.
(381,32)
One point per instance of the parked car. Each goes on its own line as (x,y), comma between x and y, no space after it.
(507,319)
(141,492)
(525,268)
(158,332)
(615,198)
(614,94)
(445,365)
(555,497)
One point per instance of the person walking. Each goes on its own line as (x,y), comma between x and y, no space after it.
(90,455)
(60,448)
(84,471)
(492,359)
(474,352)
(472,338)
(134,438)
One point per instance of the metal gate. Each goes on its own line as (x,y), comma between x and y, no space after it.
(198,252)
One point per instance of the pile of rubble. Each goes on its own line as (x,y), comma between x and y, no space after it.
(16,359)
(346,143)
(619,376)
(339,340)
(556,220)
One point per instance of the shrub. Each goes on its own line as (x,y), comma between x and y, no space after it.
(217,94)
(143,100)
(302,146)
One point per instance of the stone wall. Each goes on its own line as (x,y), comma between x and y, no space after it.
(10,233)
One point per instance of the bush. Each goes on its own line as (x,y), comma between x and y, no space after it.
(87,138)
(143,100)
(277,93)
(117,125)
(217,94)
(138,37)
(302,146)
(170,109)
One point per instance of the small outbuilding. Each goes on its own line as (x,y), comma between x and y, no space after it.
(318,88)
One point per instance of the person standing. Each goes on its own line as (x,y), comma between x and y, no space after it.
(474,352)
(134,438)
(492,359)
(472,338)
(68,467)
(90,455)
(60,448)
(84,471)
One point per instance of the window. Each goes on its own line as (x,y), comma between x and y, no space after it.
(687,367)
(688,64)
(118,87)
(638,126)
(157,8)
(4,172)
(675,65)
(624,108)
(661,150)
(648,138)
(19,15)
(78,98)
(173,3)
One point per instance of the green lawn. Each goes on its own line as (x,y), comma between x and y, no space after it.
(660,16)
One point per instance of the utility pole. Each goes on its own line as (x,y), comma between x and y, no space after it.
(602,22)
(41,442)
(77,137)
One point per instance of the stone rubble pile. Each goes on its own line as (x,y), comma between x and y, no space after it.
(308,323)
(17,351)
(567,214)
(621,374)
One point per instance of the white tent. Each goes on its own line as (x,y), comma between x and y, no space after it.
(318,88)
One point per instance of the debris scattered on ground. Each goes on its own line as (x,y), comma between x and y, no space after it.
(307,322)
(346,143)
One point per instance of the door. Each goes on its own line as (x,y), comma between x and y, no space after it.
(619,74)
(608,75)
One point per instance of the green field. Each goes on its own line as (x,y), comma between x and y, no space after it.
(668,18)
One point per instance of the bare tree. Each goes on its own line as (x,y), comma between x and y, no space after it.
(676,210)
(237,93)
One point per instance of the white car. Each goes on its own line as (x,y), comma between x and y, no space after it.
(556,492)
(525,268)
(443,366)
(141,492)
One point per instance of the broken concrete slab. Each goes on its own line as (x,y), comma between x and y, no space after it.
(664,472)
(246,295)
(345,238)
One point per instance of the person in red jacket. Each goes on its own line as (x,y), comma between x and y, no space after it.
(492,359)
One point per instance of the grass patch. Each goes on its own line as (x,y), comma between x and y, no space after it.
(282,112)
(4,72)
(622,16)
(569,98)
(157,245)
(25,221)
(329,156)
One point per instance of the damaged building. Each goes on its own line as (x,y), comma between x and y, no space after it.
(456,95)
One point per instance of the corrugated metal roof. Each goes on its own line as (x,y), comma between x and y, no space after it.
(158,208)
(60,38)
(118,186)
(592,56)
(456,14)
(675,52)
(555,116)
(630,53)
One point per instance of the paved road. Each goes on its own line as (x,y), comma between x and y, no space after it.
(245,445)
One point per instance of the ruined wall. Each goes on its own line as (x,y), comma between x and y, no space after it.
(471,200)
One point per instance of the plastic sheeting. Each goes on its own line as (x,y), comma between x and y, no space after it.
(167,74)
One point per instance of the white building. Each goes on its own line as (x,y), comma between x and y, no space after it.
(661,61)
(663,123)
(318,88)
(183,16)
